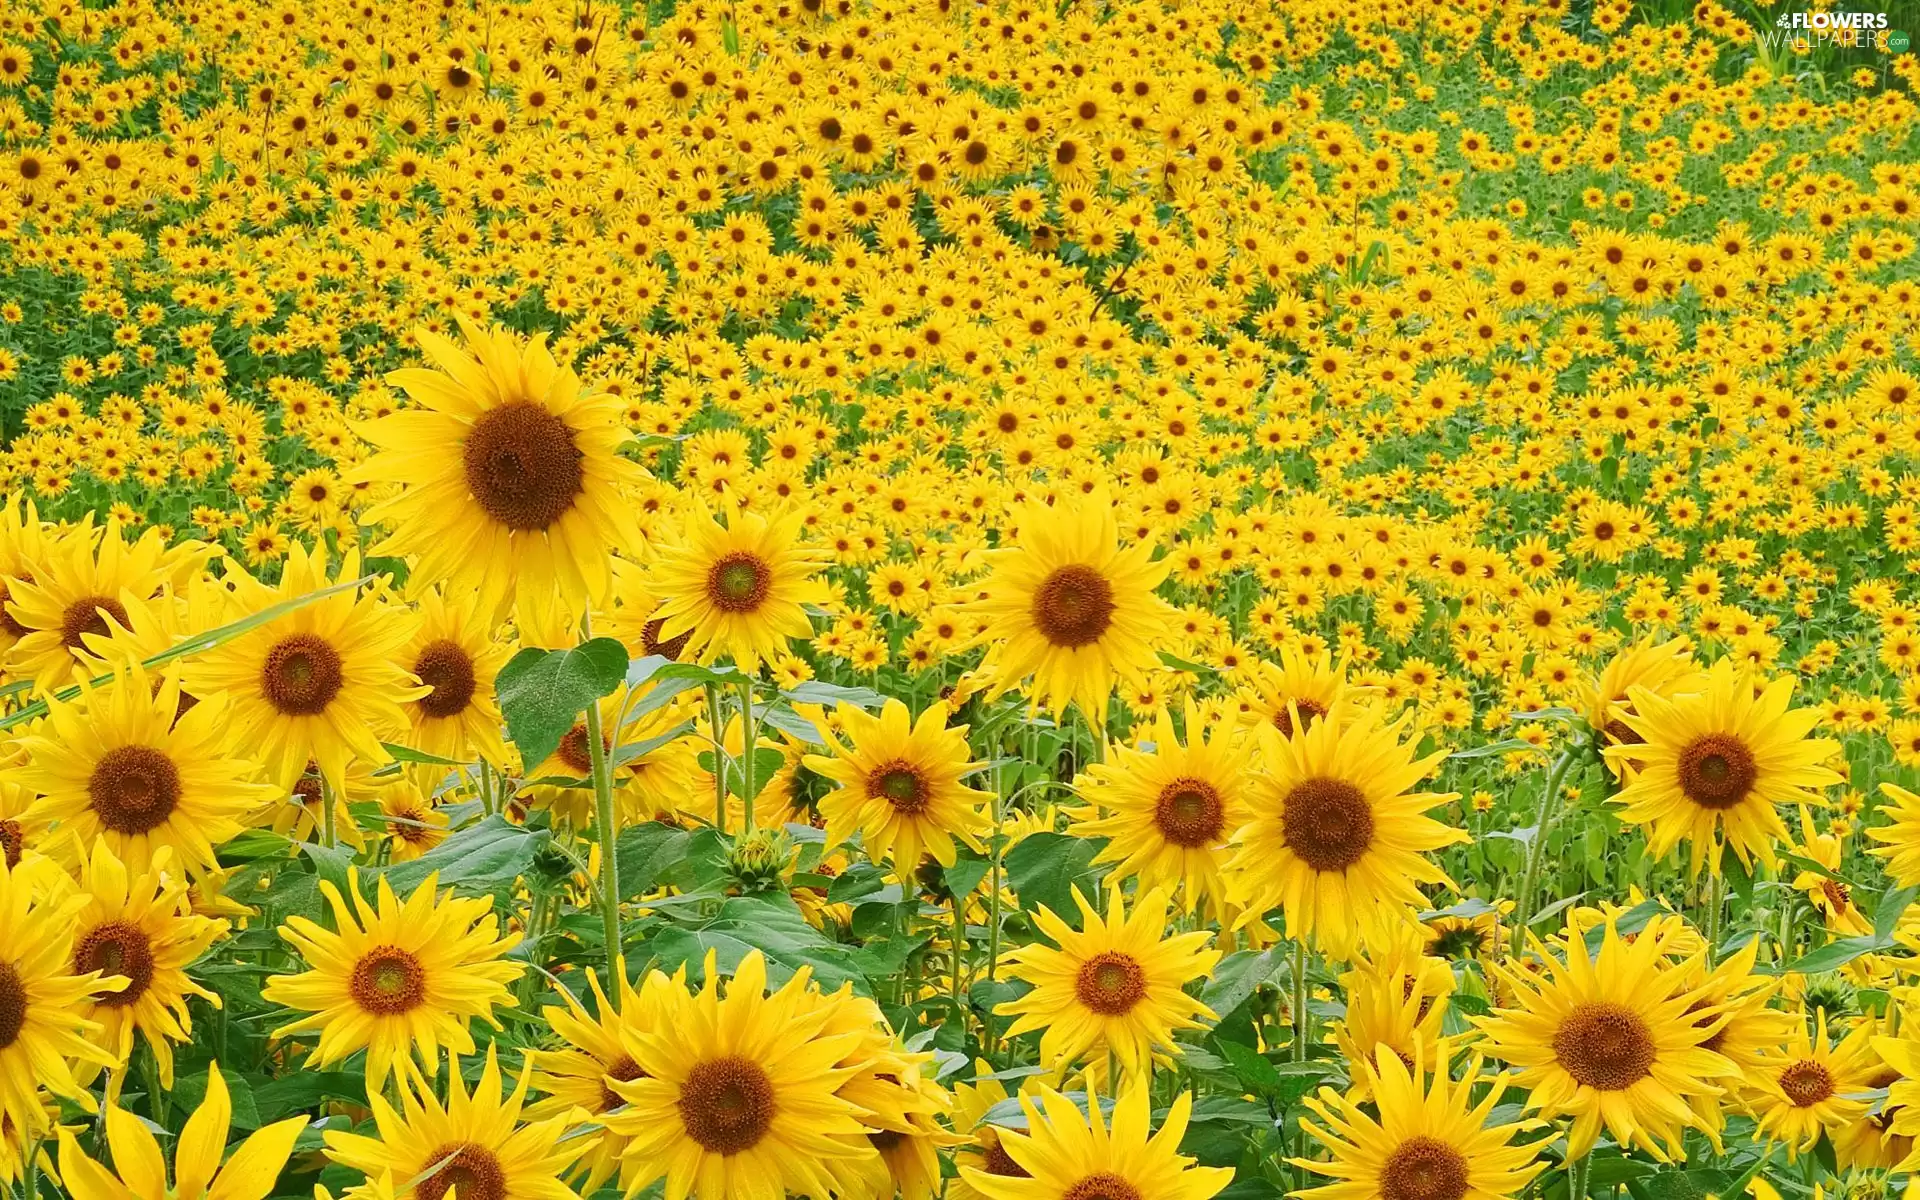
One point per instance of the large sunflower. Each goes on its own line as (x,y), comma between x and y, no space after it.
(1117,986)
(322,684)
(42,997)
(1068,1154)
(473,1146)
(736,1098)
(1428,1142)
(133,927)
(395,978)
(1717,762)
(1617,1040)
(1337,841)
(1167,812)
(511,482)
(739,590)
(1070,608)
(116,766)
(900,786)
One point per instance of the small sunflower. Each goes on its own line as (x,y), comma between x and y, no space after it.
(1301,684)
(1336,839)
(394,978)
(456,656)
(739,590)
(1068,1154)
(899,786)
(1715,765)
(473,1146)
(1807,1086)
(1117,986)
(512,487)
(1070,608)
(1664,668)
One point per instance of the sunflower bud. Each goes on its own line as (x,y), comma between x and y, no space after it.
(758,861)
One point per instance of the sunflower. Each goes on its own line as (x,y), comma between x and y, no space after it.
(1716,763)
(322,684)
(456,656)
(80,578)
(133,928)
(736,1097)
(1429,1141)
(474,1145)
(899,786)
(984,1153)
(1618,1039)
(42,997)
(1396,1000)
(1900,838)
(139,1169)
(739,590)
(395,978)
(23,540)
(1070,608)
(634,617)
(1067,1154)
(1731,1001)
(116,766)
(1118,986)
(414,822)
(1829,896)
(512,487)
(1167,811)
(1664,668)
(1301,684)
(1808,1086)
(593,1054)
(1336,840)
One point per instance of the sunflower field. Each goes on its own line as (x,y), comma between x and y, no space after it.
(961,599)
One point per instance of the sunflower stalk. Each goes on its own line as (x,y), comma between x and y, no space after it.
(716,730)
(750,735)
(1536,849)
(607,829)
(1578,1175)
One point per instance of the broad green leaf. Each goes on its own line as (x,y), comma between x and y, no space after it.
(1045,868)
(814,692)
(1235,977)
(543,692)
(479,860)
(769,924)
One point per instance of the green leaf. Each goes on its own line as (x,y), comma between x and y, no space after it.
(1614,1169)
(965,875)
(481,859)
(1236,976)
(189,1090)
(543,692)
(1835,954)
(814,692)
(1503,746)
(1045,867)
(1680,1184)
(1893,905)
(769,924)
(1251,1067)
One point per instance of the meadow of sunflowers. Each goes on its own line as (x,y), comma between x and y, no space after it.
(1079,600)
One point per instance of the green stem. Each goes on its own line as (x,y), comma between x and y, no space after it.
(1301,1023)
(607,828)
(749,734)
(1536,851)
(1577,1176)
(329,836)
(719,758)
(959,944)
(1716,902)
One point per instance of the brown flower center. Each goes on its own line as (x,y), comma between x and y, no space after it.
(472,1172)
(1073,607)
(1838,894)
(1111,983)
(1104,1185)
(1327,823)
(13,1004)
(739,582)
(1717,771)
(83,616)
(388,981)
(12,841)
(650,642)
(900,784)
(1605,1046)
(117,948)
(576,753)
(302,675)
(523,467)
(133,789)
(1309,710)
(998,1161)
(727,1105)
(1806,1083)
(624,1070)
(8,624)
(1189,813)
(448,670)
(1424,1168)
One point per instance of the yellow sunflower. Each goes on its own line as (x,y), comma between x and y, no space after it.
(1117,986)
(984,1153)
(1301,684)
(1616,1040)
(414,822)
(1167,812)
(1070,608)
(1396,1000)
(1068,1154)
(512,488)
(23,539)
(139,1169)
(899,786)
(739,590)
(1429,1140)
(1716,764)
(116,766)
(323,684)
(1807,1086)
(1900,838)
(1664,668)
(395,978)
(132,927)
(473,1146)
(456,655)
(736,1097)
(1336,839)
(42,997)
